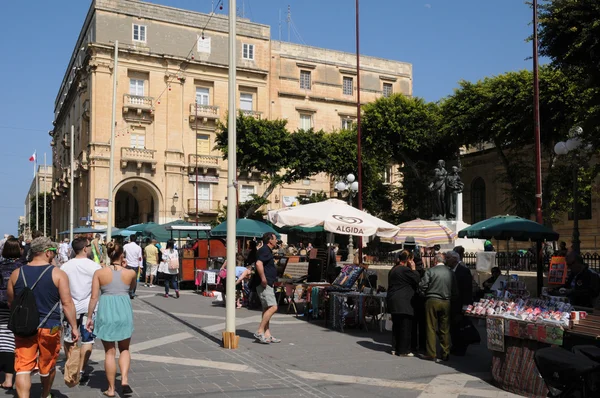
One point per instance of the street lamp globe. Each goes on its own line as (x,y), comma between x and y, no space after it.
(561,148)
(350,178)
(354,186)
(573,143)
(340,186)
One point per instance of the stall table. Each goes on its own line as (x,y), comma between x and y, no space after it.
(341,310)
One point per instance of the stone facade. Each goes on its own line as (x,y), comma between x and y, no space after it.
(484,196)
(166,167)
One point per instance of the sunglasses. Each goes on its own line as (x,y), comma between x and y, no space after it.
(51,249)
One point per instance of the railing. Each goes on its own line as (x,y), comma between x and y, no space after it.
(203,161)
(254,114)
(515,261)
(137,101)
(139,156)
(203,206)
(207,111)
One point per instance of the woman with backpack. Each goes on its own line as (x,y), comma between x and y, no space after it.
(11,253)
(114,318)
(170,267)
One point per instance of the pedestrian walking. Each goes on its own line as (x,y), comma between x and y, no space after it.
(439,287)
(267,273)
(114,319)
(134,259)
(11,254)
(151,255)
(170,268)
(64,250)
(464,281)
(80,271)
(49,286)
(403,283)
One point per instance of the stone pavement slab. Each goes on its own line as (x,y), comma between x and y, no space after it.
(176,353)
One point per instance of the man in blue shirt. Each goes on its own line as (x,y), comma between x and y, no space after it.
(267,271)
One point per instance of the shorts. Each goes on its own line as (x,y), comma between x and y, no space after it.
(151,269)
(86,337)
(266,296)
(45,343)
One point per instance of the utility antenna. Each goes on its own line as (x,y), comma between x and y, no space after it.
(280,24)
(289,20)
(212,6)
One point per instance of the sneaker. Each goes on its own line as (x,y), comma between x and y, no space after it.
(409,355)
(151,286)
(166,296)
(146,285)
(177,293)
(261,338)
(272,339)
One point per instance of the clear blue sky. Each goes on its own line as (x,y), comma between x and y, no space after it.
(445,40)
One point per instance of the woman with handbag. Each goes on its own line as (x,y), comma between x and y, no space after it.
(170,268)
(403,282)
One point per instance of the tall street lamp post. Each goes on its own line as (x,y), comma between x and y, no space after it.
(573,146)
(351,186)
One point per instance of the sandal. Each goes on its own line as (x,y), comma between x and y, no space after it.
(107,394)
(126,389)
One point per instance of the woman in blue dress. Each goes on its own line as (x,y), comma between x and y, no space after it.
(113,323)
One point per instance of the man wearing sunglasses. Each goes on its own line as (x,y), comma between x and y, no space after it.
(51,289)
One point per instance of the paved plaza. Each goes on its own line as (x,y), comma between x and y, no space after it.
(176,353)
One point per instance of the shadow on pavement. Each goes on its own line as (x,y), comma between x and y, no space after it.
(189,325)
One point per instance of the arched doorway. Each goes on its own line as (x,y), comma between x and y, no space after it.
(478,203)
(136,202)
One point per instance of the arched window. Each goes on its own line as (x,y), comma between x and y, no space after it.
(478,200)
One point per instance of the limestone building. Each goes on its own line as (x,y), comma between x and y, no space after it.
(172,88)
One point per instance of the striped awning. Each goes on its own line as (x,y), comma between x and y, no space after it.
(426,233)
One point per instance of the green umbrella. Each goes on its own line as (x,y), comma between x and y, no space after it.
(244,227)
(143,228)
(160,233)
(509,227)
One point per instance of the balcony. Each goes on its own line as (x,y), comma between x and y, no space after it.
(86,109)
(204,206)
(254,114)
(204,113)
(139,156)
(204,162)
(138,108)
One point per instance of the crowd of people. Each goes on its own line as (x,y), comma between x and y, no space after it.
(78,291)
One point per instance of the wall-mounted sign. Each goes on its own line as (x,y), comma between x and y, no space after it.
(101,205)
(202,178)
(289,201)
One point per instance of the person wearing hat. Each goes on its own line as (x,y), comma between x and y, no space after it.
(50,290)
(583,284)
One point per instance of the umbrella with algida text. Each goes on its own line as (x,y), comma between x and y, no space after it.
(334,216)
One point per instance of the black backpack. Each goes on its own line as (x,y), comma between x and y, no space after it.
(24,318)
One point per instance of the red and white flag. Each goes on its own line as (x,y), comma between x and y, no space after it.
(33,157)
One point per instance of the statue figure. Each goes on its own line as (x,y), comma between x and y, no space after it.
(454,186)
(438,189)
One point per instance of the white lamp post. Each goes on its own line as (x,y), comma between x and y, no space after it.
(350,185)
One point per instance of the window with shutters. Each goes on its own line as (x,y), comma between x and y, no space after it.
(387,89)
(138,140)
(245,193)
(348,86)
(204,195)
(305,79)
(305,121)
(203,144)
(248,51)
(202,96)
(139,33)
(246,102)
(136,88)
(347,123)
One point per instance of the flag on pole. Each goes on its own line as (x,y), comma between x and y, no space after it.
(33,157)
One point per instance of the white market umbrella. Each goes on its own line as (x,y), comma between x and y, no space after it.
(334,216)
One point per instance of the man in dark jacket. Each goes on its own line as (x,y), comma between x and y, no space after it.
(583,284)
(403,282)
(464,281)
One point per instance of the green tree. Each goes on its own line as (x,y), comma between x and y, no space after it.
(499,111)
(569,32)
(312,198)
(404,131)
(281,157)
(41,212)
